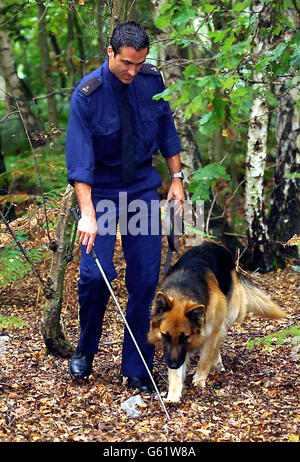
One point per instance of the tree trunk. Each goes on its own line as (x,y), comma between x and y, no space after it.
(7,208)
(119,13)
(58,58)
(52,332)
(284,218)
(189,159)
(14,86)
(256,160)
(102,40)
(70,47)
(79,37)
(45,62)
(190,155)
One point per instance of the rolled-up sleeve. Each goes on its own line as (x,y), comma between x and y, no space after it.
(168,139)
(80,159)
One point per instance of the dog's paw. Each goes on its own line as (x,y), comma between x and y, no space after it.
(199,382)
(172,398)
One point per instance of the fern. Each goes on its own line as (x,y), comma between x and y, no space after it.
(190,229)
(279,336)
(13,265)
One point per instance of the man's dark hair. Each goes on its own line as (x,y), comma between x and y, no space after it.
(129,34)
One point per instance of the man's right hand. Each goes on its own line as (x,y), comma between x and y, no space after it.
(87,225)
(87,231)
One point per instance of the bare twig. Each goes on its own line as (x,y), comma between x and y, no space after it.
(7,116)
(37,169)
(209,214)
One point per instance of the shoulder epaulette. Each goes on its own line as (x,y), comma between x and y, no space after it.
(149,69)
(88,87)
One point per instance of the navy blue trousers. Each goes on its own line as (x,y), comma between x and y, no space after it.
(142,254)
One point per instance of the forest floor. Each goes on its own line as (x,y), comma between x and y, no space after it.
(256,399)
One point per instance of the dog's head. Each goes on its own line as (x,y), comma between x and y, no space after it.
(176,324)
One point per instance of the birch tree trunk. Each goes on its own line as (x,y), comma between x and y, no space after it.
(53,335)
(256,159)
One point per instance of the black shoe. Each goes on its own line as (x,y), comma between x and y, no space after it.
(81,364)
(141,383)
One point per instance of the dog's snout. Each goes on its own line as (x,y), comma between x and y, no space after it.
(175,364)
(175,357)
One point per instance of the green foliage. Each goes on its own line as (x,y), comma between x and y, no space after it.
(11,322)
(205,179)
(21,171)
(189,229)
(277,338)
(293,175)
(13,266)
(217,88)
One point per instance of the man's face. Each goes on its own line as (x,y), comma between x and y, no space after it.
(126,64)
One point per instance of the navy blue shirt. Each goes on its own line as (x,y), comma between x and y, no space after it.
(94,128)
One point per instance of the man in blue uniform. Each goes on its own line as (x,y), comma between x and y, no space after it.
(115,127)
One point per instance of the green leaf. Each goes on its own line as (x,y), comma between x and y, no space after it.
(163,21)
(166,95)
(240,6)
(219,106)
(270,98)
(297,37)
(194,106)
(208,8)
(165,16)
(226,46)
(206,178)
(295,61)
(205,118)
(228,82)
(191,71)
(218,35)
(183,16)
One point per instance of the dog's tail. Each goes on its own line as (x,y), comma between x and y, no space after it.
(259,302)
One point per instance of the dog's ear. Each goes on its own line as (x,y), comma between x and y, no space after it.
(162,303)
(194,312)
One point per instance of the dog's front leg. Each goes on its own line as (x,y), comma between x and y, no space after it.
(209,351)
(217,365)
(176,381)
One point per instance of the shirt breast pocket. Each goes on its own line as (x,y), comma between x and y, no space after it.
(107,141)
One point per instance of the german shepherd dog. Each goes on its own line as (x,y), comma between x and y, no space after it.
(198,301)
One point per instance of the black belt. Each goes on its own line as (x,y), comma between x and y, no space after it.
(100,164)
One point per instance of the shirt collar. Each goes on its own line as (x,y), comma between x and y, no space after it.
(114,81)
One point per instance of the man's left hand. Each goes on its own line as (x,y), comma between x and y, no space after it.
(176,192)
